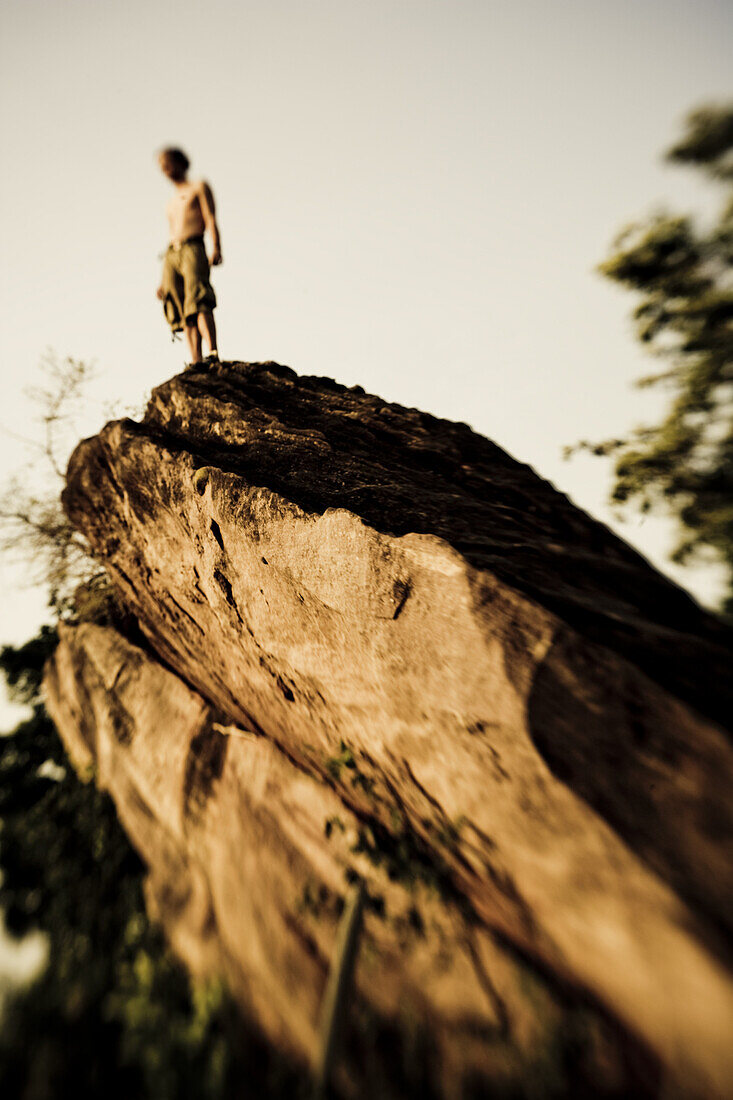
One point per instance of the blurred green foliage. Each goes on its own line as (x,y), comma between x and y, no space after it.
(681,272)
(113,1015)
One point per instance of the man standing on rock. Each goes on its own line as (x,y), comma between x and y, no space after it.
(187,295)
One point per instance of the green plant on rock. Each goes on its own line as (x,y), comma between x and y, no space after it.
(344,759)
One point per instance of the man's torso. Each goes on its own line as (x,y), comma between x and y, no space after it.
(185,217)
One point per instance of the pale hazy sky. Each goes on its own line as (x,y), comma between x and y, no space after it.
(411,196)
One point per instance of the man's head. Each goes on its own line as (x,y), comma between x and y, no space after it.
(173,163)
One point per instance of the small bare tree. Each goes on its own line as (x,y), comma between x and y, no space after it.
(33,526)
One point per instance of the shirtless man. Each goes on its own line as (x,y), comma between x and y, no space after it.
(187,295)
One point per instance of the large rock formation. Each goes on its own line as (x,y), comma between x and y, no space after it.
(375,644)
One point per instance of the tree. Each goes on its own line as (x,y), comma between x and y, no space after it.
(32,520)
(683,275)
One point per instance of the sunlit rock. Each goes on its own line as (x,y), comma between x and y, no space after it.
(366,613)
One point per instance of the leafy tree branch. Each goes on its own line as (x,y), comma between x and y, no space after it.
(682,275)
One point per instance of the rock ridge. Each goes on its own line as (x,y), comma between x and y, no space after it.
(440,645)
(472,495)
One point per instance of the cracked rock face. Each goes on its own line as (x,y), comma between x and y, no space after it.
(413,632)
(249,861)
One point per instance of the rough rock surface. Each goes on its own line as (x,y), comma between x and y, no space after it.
(419,630)
(249,862)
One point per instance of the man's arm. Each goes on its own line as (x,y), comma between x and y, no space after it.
(208,210)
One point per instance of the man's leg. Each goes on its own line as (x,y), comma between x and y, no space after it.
(193,338)
(207,328)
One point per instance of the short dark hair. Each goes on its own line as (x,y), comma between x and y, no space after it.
(178,155)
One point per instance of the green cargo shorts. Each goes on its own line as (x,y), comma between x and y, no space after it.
(185,282)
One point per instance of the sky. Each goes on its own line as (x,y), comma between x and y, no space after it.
(412,196)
